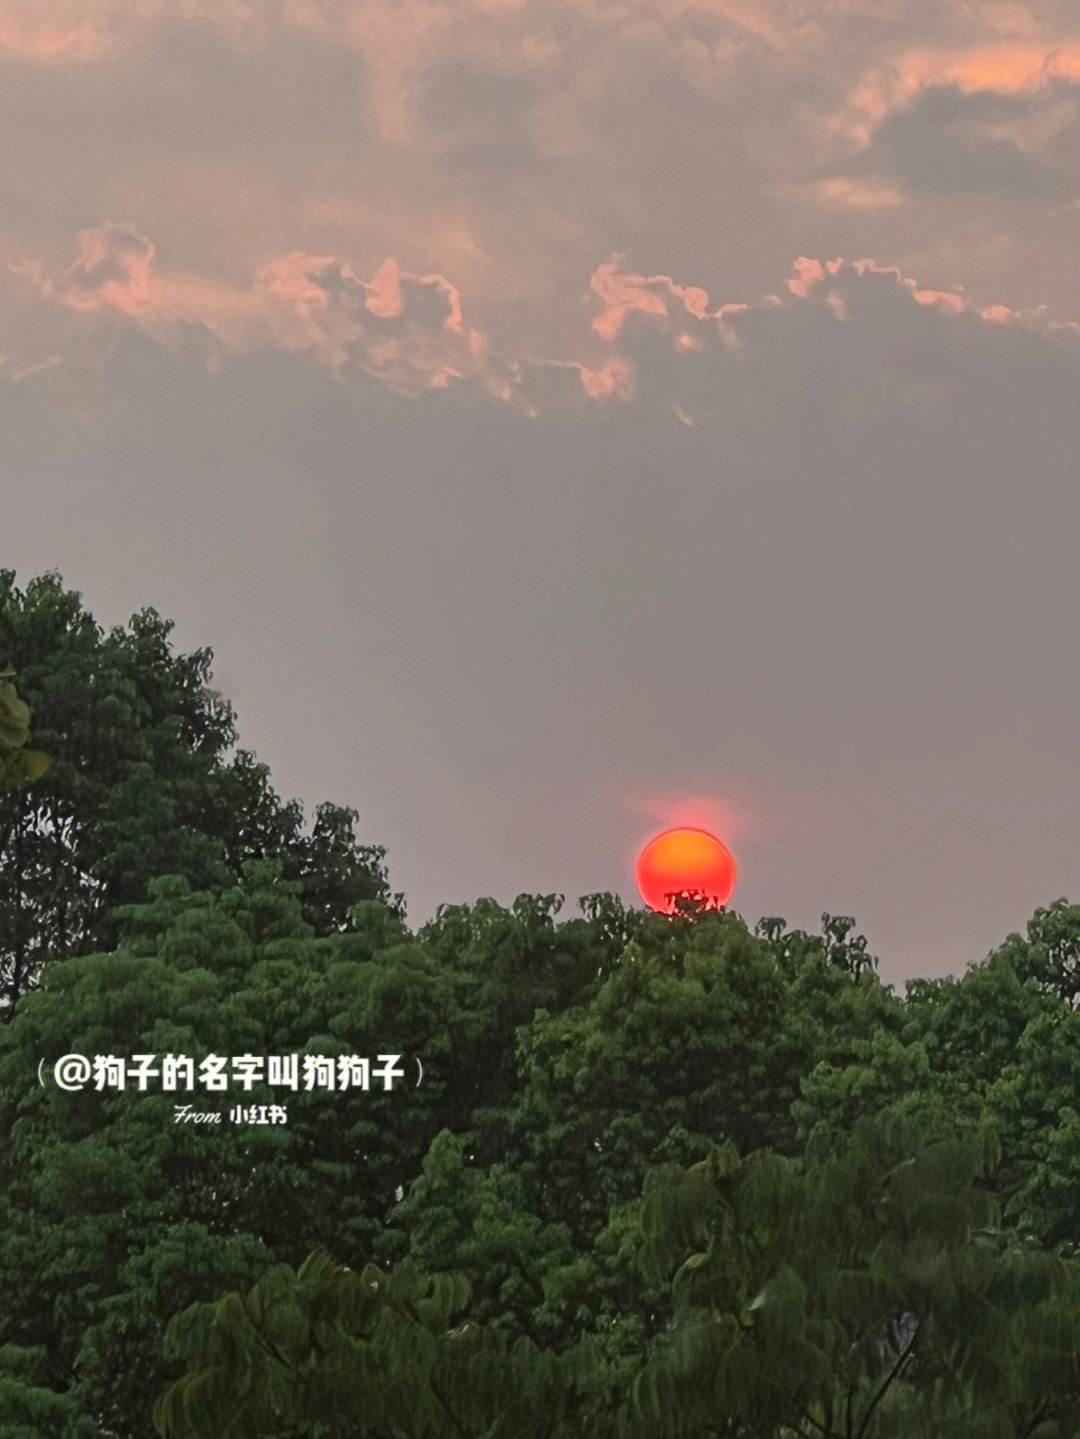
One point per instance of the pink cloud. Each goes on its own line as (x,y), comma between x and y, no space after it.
(614,378)
(624,293)
(841,193)
(403,328)
(811,274)
(112,271)
(116,275)
(1004,67)
(407,330)
(84,32)
(946,300)
(808,273)
(69,31)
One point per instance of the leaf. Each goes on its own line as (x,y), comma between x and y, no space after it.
(35,763)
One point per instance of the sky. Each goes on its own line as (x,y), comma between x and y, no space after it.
(565,418)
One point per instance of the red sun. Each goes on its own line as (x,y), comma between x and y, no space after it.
(684,859)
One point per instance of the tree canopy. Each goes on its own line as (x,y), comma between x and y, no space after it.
(145,780)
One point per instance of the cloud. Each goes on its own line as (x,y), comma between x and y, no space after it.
(625,293)
(480,118)
(950,87)
(655,341)
(88,32)
(29,372)
(112,271)
(43,40)
(193,134)
(405,329)
(846,192)
(951,142)
(509,145)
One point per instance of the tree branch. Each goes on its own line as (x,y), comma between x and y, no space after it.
(905,1355)
(1041,1413)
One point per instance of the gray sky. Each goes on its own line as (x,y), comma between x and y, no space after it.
(568,418)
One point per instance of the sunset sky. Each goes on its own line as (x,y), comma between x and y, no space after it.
(569,418)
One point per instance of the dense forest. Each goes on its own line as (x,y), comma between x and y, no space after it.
(663,1176)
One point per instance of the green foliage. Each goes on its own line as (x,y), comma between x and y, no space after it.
(328,1350)
(30,1409)
(572,1072)
(872,1293)
(111,1214)
(18,765)
(675,1034)
(143,782)
(1050,956)
(111,1211)
(1035,1101)
(729,1174)
(971,1026)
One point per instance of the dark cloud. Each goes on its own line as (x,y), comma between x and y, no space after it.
(944,143)
(113,268)
(184,99)
(480,119)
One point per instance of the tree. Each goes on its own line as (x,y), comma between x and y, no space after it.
(328,1351)
(145,782)
(112,1214)
(17,763)
(1036,1104)
(28,1407)
(679,1033)
(872,1294)
(971,1026)
(1000,1040)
